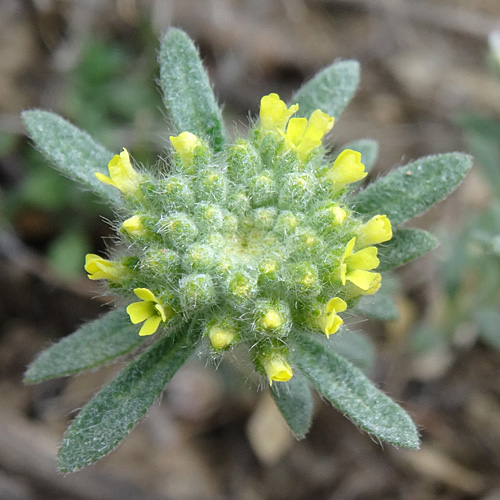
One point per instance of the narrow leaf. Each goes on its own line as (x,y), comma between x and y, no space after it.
(368,149)
(356,347)
(329,90)
(71,151)
(91,345)
(187,93)
(378,306)
(114,411)
(347,388)
(294,400)
(412,189)
(405,245)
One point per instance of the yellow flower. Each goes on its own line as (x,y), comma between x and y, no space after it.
(330,321)
(304,135)
(185,144)
(134,226)
(220,337)
(273,112)
(122,174)
(102,269)
(148,310)
(277,368)
(355,266)
(377,230)
(346,169)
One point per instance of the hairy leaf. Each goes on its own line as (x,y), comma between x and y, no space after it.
(413,188)
(91,345)
(348,389)
(72,151)
(405,245)
(114,411)
(329,90)
(187,93)
(293,398)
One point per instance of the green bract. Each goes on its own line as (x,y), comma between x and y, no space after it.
(258,242)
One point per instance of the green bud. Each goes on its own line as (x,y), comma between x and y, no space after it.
(262,189)
(286,223)
(212,185)
(179,230)
(272,317)
(176,193)
(269,269)
(222,332)
(264,218)
(241,288)
(162,263)
(210,216)
(239,203)
(243,161)
(200,258)
(307,242)
(303,281)
(297,189)
(196,291)
(329,218)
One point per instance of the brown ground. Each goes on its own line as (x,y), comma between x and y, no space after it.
(423,62)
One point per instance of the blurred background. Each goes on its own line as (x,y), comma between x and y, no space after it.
(430,84)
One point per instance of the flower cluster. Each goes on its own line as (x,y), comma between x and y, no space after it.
(257,239)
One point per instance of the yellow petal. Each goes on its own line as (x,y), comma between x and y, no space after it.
(150,326)
(295,130)
(163,312)
(306,145)
(335,306)
(99,268)
(347,168)
(332,324)
(141,311)
(123,175)
(375,284)
(105,179)
(365,259)
(185,144)
(361,278)
(145,294)
(321,121)
(349,247)
(277,369)
(134,226)
(377,230)
(274,113)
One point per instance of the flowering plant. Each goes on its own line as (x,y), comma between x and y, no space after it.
(258,245)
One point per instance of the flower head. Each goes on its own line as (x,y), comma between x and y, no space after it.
(149,310)
(274,113)
(330,321)
(103,269)
(185,144)
(277,368)
(121,174)
(303,135)
(346,169)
